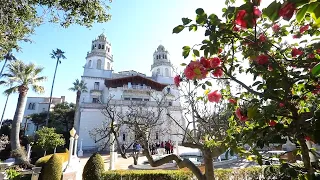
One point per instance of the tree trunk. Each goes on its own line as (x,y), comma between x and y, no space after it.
(18,116)
(4,110)
(4,65)
(135,158)
(77,112)
(50,100)
(305,156)
(25,126)
(208,161)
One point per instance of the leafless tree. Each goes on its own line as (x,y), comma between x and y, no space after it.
(136,117)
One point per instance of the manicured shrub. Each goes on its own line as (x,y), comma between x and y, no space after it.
(42,161)
(53,168)
(94,168)
(147,175)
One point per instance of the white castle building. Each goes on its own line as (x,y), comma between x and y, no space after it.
(126,87)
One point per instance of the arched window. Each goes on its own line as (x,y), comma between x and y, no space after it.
(158,71)
(108,49)
(92,47)
(30,106)
(102,47)
(99,64)
(166,72)
(166,56)
(108,65)
(162,56)
(34,106)
(99,47)
(89,64)
(123,137)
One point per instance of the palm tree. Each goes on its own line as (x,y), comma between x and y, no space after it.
(56,54)
(21,76)
(79,87)
(8,57)
(7,92)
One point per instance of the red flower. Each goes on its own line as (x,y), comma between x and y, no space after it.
(214,96)
(287,10)
(240,116)
(272,123)
(296,52)
(219,50)
(205,62)
(262,59)
(217,72)
(276,28)
(304,28)
(318,51)
(256,11)
(232,101)
(311,56)
(281,104)
(262,38)
(215,62)
(195,70)
(307,138)
(270,68)
(235,28)
(240,18)
(296,36)
(177,80)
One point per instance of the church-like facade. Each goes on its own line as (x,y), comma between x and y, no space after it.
(125,88)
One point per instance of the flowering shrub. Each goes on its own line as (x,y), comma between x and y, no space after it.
(282,96)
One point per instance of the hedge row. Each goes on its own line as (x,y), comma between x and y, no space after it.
(147,175)
(42,161)
(269,172)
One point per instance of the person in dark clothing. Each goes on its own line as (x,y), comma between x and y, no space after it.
(162,145)
(167,147)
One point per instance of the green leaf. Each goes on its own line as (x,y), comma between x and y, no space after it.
(316,70)
(208,83)
(272,11)
(256,83)
(178,29)
(199,11)
(183,64)
(193,27)
(186,51)
(196,52)
(201,19)
(203,86)
(186,21)
(302,12)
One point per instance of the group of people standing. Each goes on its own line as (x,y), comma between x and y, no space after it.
(167,145)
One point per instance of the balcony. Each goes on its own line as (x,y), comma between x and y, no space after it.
(136,89)
(96,92)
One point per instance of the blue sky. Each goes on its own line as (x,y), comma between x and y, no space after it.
(135,30)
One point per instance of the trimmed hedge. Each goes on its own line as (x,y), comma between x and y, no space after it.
(94,168)
(53,168)
(266,172)
(42,161)
(147,175)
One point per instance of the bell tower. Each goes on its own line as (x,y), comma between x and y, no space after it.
(161,63)
(99,59)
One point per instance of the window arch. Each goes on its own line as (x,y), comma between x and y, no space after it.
(99,64)
(99,47)
(108,65)
(92,47)
(158,71)
(102,47)
(166,72)
(162,56)
(30,106)
(166,56)
(89,64)
(33,105)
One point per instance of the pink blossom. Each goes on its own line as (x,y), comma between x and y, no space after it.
(214,96)
(215,62)
(240,116)
(177,80)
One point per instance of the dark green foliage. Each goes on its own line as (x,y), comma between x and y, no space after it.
(148,175)
(94,168)
(52,169)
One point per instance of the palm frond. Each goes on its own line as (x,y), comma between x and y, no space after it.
(11,90)
(38,89)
